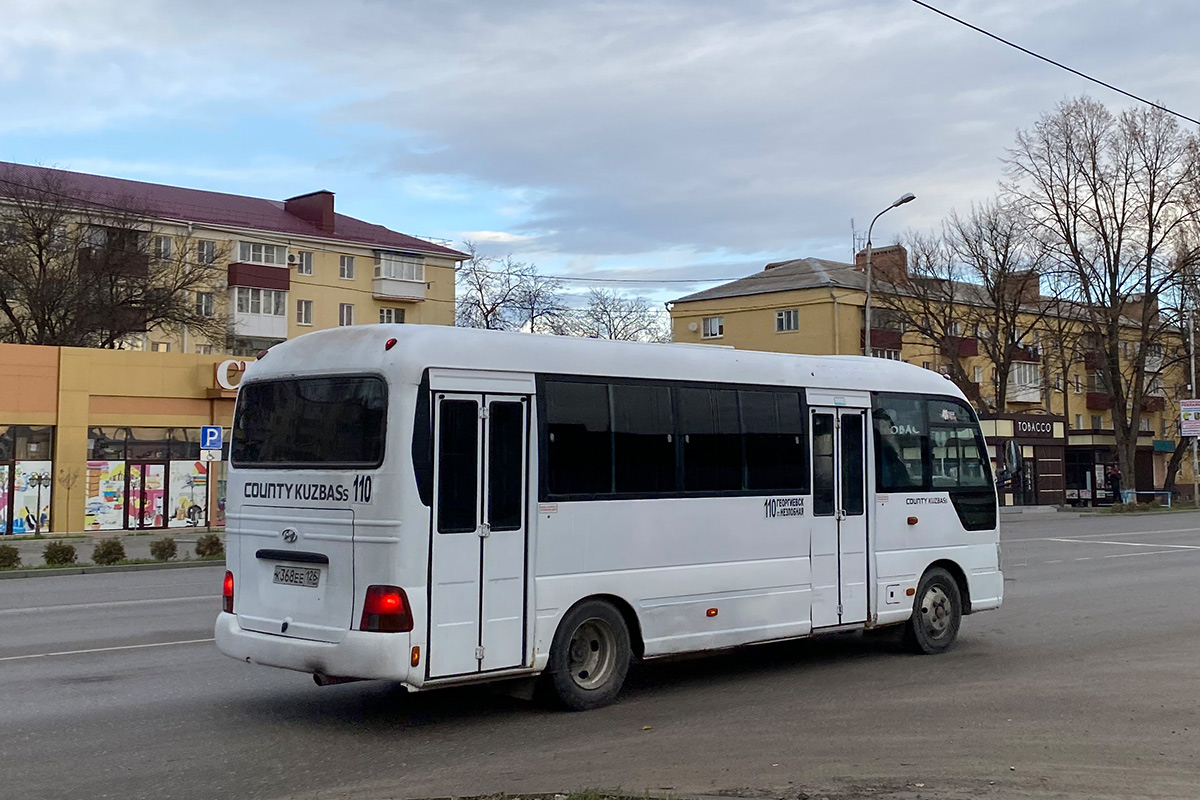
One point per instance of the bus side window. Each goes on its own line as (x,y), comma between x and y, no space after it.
(901,442)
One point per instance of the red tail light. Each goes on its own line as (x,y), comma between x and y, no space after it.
(386,610)
(227,594)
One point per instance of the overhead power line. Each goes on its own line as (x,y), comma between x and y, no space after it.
(1058,64)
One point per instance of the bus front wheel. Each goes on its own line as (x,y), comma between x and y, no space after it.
(589,657)
(937,613)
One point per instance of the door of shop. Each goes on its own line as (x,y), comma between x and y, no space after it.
(145,494)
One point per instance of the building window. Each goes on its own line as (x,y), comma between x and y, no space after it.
(927,364)
(712,327)
(400,267)
(1057,382)
(882,352)
(979,375)
(787,320)
(204,304)
(346,314)
(1096,422)
(1162,428)
(1078,385)
(1144,425)
(1025,382)
(346,267)
(160,347)
(304,312)
(163,247)
(1079,422)
(270,302)
(304,263)
(391,315)
(204,349)
(255,253)
(206,251)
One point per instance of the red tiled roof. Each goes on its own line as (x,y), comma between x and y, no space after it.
(214,208)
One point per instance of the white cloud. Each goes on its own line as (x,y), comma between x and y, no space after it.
(606,131)
(494,237)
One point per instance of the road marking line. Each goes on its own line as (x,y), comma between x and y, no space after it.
(110,604)
(1086,536)
(105,649)
(1129,544)
(1143,553)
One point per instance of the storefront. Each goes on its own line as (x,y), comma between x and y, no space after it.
(1027,457)
(26,478)
(110,440)
(146,478)
(1090,456)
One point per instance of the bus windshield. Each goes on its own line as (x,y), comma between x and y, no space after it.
(316,423)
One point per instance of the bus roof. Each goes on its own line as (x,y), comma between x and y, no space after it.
(361,349)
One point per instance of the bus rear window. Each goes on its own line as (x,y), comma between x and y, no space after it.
(315,423)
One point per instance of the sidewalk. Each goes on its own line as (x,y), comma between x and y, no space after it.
(137,543)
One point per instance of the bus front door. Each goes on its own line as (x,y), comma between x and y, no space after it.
(838,550)
(478,555)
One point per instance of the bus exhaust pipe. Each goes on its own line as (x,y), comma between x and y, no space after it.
(322,679)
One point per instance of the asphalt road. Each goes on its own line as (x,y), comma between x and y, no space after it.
(1085,684)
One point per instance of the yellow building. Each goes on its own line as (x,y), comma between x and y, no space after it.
(286,266)
(105,439)
(1060,430)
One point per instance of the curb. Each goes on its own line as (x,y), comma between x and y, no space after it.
(96,569)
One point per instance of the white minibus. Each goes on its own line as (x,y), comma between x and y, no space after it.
(437,506)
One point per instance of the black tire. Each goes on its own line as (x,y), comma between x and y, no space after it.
(589,657)
(937,614)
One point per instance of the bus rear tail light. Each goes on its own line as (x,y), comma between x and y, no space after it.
(386,610)
(227,593)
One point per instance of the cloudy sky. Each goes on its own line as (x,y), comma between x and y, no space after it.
(675,140)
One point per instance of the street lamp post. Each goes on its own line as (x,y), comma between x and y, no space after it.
(904,198)
(39,480)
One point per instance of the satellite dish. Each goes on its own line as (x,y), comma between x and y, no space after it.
(693,326)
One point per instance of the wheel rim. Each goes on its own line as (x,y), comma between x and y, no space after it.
(936,612)
(592,655)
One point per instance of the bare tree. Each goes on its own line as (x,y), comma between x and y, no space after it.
(1110,197)
(611,315)
(971,291)
(90,272)
(505,294)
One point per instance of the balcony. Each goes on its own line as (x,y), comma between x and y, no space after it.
(1093,360)
(1154,403)
(960,346)
(1098,401)
(398,289)
(259,326)
(1029,355)
(883,339)
(102,261)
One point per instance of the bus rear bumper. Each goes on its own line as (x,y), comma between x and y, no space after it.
(360,655)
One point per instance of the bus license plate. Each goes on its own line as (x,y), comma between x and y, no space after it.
(297,576)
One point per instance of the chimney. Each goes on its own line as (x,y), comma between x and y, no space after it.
(315,207)
(1024,284)
(1135,307)
(888,264)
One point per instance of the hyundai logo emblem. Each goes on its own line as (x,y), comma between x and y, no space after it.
(290,535)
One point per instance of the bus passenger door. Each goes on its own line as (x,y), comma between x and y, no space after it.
(477,567)
(838,550)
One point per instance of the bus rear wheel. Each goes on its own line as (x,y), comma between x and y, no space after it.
(589,657)
(937,614)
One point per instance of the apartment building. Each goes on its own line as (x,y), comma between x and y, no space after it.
(1060,430)
(103,439)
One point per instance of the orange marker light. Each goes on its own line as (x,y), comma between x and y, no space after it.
(389,344)
(909,592)
(416,656)
(712,612)
(912,520)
